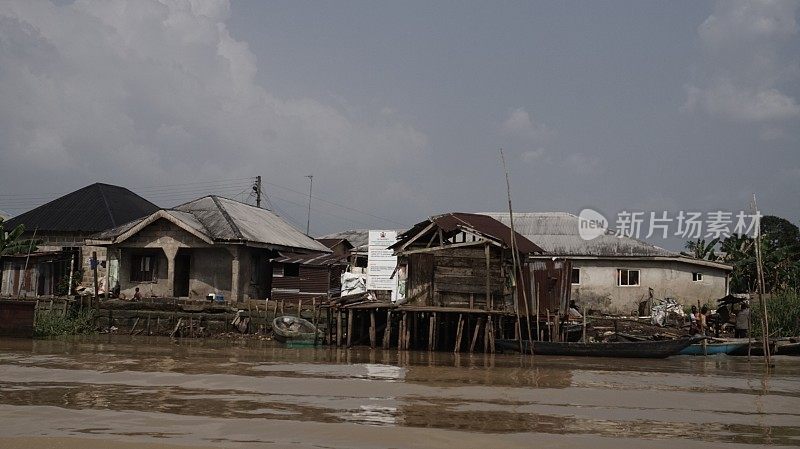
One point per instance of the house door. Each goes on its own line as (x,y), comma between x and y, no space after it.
(181,285)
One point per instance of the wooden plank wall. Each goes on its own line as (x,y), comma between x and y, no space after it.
(455,278)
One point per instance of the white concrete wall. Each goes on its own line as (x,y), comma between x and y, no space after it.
(598,287)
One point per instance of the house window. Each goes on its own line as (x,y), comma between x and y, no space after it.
(627,278)
(697,277)
(143,268)
(291,269)
(576,276)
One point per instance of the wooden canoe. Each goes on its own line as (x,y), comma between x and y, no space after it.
(714,347)
(649,349)
(293,329)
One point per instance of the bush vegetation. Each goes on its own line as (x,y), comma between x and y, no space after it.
(49,324)
(783,309)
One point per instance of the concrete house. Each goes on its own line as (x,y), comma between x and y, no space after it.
(614,274)
(60,227)
(209,245)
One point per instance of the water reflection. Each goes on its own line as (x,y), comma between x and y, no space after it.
(713,400)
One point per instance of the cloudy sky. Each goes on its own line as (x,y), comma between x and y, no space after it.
(398,108)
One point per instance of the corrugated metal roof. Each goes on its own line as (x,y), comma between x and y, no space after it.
(225,220)
(557,233)
(311,259)
(359,238)
(330,243)
(93,208)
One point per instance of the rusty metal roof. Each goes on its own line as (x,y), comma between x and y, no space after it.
(480,224)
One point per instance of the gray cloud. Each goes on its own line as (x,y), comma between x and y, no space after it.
(745,68)
(147,91)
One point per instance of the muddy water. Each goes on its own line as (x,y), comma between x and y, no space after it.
(150,392)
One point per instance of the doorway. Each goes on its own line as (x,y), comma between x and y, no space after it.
(181,285)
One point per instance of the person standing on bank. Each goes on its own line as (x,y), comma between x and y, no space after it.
(743,322)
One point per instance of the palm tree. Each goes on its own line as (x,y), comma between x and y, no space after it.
(700,250)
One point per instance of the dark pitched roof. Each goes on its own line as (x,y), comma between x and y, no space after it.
(94,208)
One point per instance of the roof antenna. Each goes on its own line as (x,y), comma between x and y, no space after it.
(310,188)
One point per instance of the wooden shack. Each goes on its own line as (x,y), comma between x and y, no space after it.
(465,275)
(298,277)
(465,261)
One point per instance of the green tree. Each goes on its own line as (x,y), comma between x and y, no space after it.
(780,249)
(11,242)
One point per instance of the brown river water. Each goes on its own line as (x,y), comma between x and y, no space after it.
(150,392)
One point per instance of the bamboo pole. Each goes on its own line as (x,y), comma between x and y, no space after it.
(762,303)
(513,248)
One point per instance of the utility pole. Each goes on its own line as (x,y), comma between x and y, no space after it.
(310,188)
(257,189)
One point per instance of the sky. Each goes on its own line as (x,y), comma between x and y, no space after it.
(399,109)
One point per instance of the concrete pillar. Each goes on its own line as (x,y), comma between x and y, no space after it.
(170,252)
(235,281)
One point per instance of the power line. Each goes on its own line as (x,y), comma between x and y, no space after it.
(188,190)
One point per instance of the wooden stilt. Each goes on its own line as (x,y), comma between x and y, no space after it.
(372,336)
(459,332)
(338,328)
(431,323)
(401,332)
(475,334)
(349,328)
(387,333)
(490,327)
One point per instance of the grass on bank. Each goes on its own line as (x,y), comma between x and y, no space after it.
(49,324)
(783,309)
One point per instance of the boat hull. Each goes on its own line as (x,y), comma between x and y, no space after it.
(289,329)
(726,347)
(635,349)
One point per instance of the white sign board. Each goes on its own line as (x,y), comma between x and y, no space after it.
(381,262)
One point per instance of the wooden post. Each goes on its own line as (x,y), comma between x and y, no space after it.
(401,335)
(488,338)
(487,253)
(387,333)
(349,327)
(134,325)
(475,334)
(94,270)
(459,331)
(299,308)
(372,332)
(339,328)
(584,325)
(316,320)
(431,323)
